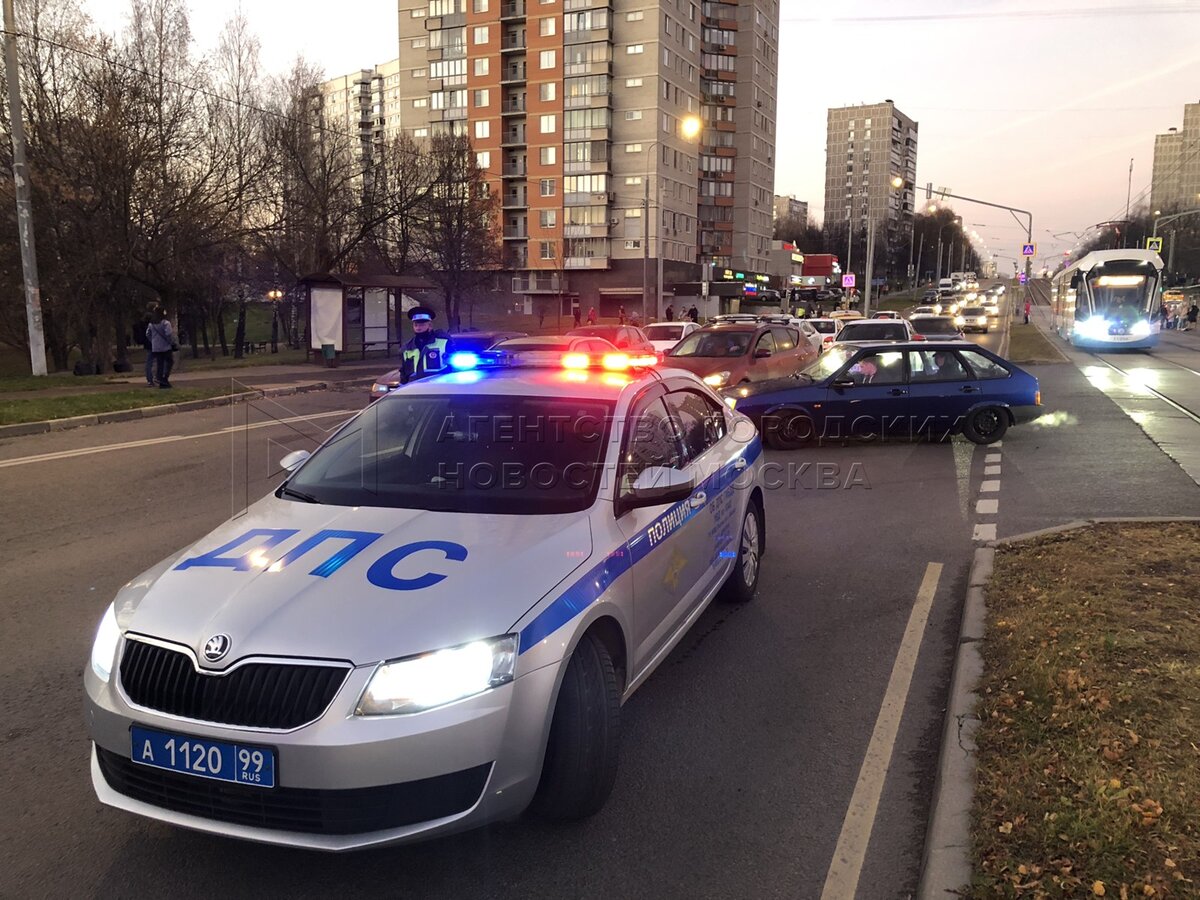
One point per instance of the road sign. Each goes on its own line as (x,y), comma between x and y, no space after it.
(1155,244)
(848,280)
(1021,278)
(1029,249)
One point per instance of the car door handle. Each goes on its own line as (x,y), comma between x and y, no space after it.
(897,392)
(740,463)
(967,389)
(698,499)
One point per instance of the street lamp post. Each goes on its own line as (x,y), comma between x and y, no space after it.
(689,129)
(274,295)
(896,183)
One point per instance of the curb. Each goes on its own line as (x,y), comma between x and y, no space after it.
(946,864)
(164,409)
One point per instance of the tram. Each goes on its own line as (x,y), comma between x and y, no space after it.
(1109,299)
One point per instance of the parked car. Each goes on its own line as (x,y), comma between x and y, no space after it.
(934,328)
(827,328)
(892,390)
(877,330)
(804,326)
(741,352)
(629,338)
(665,335)
(471,341)
(885,314)
(934,309)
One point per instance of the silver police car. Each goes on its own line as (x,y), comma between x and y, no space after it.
(434,620)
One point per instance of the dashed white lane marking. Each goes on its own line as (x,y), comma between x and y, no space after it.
(998,444)
(989,487)
(990,470)
(985,532)
(991,459)
(169,439)
(987,507)
(841,882)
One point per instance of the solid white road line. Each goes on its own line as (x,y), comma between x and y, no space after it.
(169,439)
(841,882)
(989,487)
(987,507)
(990,470)
(985,532)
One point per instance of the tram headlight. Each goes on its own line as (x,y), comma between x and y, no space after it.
(1095,327)
(1141,329)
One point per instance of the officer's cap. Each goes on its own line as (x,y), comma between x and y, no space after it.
(421,314)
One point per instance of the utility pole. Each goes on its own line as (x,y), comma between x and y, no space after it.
(866,305)
(920,256)
(33,293)
(1129,192)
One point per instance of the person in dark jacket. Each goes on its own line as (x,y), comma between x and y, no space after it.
(147,321)
(428,352)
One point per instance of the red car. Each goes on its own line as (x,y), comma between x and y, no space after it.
(737,353)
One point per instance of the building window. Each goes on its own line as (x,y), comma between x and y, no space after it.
(546,59)
(632,115)
(482,98)
(548,155)
(634,179)
(546,26)
(546,91)
(418,43)
(548,124)
(634,48)
(483,129)
(633,148)
(548,187)
(633,82)
(547,249)
(483,159)
(481,66)
(633,245)
(418,13)
(418,73)
(548,218)
(635,16)
(420,103)
(481,6)
(481,34)
(420,132)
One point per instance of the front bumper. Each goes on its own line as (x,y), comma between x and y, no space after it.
(344,782)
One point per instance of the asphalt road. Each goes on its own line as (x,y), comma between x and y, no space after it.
(740,756)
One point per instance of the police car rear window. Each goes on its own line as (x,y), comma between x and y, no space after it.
(485,454)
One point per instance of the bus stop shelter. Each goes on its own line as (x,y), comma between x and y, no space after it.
(360,315)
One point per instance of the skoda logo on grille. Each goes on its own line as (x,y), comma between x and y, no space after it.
(216,647)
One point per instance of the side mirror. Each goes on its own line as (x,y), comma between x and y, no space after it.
(292,461)
(843,382)
(762,354)
(657,485)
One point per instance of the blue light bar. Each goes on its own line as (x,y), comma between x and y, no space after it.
(464,360)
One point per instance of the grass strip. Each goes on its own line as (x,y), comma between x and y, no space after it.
(13,412)
(1027,344)
(1089,748)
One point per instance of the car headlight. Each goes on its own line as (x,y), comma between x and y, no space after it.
(1095,327)
(104,648)
(959,320)
(717,379)
(418,683)
(1141,329)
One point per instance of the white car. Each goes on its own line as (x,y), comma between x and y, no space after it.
(804,326)
(434,620)
(877,330)
(827,328)
(665,335)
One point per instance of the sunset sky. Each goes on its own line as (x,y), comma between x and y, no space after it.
(1028,104)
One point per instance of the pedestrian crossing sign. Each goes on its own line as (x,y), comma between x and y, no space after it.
(1155,244)
(1029,249)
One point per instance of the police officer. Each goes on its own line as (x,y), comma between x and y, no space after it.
(429,351)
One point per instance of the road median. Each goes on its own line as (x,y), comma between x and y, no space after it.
(1082,732)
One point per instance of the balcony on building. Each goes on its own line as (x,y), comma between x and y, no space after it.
(513,10)
(514,167)
(537,283)
(512,41)
(586,262)
(515,199)
(512,105)
(512,137)
(519,232)
(512,73)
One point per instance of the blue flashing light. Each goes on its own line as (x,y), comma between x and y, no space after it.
(464,360)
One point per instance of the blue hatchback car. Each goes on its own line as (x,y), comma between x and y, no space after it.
(881,390)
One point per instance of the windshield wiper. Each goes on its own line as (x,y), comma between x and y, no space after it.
(285,491)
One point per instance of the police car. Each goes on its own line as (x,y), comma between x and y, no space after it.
(434,620)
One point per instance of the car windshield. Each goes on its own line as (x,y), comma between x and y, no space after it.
(828,362)
(939,325)
(1122,296)
(664,332)
(873,331)
(825,327)
(713,344)
(456,453)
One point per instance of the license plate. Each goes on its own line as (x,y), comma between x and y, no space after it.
(218,760)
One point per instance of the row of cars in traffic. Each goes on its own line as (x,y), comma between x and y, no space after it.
(433,621)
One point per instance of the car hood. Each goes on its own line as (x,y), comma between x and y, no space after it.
(705,365)
(482,575)
(391,378)
(797,390)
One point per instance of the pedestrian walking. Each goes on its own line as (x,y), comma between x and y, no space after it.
(694,315)
(575,316)
(620,315)
(1192,314)
(670,313)
(591,320)
(147,321)
(162,344)
(1028,309)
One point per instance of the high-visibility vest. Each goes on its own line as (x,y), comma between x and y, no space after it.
(422,361)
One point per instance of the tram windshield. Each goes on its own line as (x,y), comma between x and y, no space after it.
(1123,296)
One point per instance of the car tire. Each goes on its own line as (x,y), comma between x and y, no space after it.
(795,429)
(742,583)
(580,767)
(986,425)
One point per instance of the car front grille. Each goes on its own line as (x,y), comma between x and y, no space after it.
(255,695)
(346,811)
